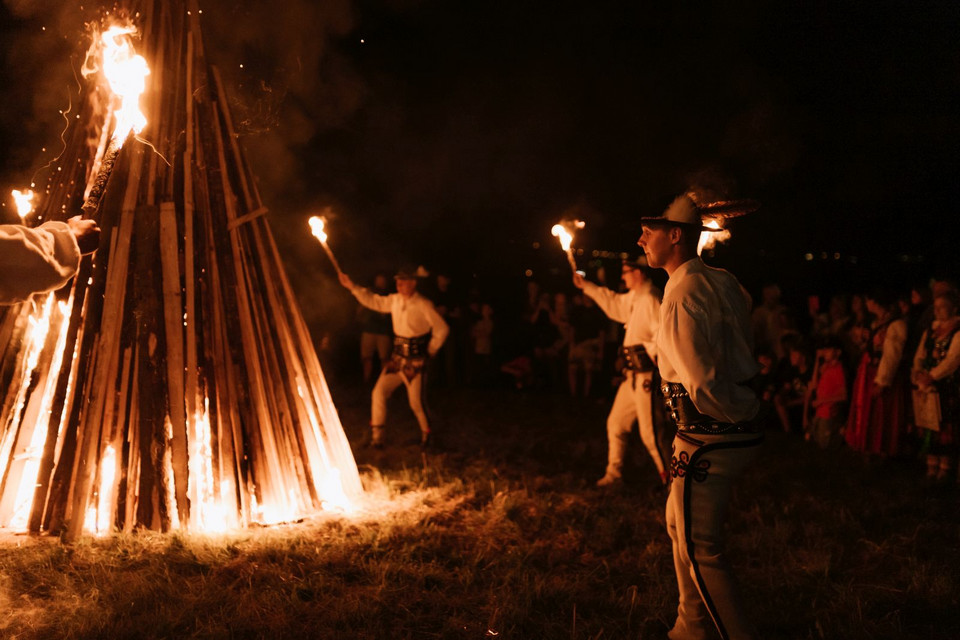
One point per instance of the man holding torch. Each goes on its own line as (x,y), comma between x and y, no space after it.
(419,332)
(43,258)
(639,310)
(705,356)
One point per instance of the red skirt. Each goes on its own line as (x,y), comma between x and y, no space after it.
(876,422)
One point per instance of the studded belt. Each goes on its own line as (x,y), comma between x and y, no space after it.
(689,419)
(637,358)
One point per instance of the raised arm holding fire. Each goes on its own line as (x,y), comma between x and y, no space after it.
(639,310)
(43,258)
(419,332)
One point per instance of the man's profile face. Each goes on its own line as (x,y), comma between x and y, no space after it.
(656,244)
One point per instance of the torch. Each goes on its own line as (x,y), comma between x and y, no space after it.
(24,202)
(317,224)
(565,235)
(125,72)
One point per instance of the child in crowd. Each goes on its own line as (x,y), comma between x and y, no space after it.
(829,388)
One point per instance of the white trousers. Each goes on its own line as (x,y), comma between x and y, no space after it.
(703,469)
(632,402)
(387,383)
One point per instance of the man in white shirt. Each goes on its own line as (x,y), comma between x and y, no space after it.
(419,332)
(705,357)
(44,258)
(639,310)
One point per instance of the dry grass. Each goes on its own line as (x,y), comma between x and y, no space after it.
(501,535)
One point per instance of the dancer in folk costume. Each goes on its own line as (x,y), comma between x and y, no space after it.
(419,332)
(639,310)
(44,258)
(879,398)
(705,357)
(936,367)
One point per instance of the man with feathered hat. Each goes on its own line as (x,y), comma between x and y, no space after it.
(705,357)
(639,310)
(419,332)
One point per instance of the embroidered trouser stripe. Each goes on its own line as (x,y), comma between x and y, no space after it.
(704,468)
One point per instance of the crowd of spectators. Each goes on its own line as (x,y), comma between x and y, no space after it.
(876,372)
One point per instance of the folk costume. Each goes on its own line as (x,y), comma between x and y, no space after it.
(35,260)
(705,357)
(939,355)
(639,311)
(419,332)
(877,417)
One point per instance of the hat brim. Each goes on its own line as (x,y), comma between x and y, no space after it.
(663,222)
(723,209)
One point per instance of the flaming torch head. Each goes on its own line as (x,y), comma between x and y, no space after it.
(559,231)
(24,202)
(709,239)
(125,72)
(316,228)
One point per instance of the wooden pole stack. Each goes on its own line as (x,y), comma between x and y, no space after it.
(180,387)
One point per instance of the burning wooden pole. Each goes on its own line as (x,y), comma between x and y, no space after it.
(189,394)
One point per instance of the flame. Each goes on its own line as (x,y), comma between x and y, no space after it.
(24,202)
(125,72)
(709,239)
(564,233)
(207,511)
(317,224)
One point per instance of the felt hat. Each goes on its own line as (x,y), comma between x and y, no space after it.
(684,211)
(410,272)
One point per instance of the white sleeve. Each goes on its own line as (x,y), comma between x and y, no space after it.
(682,335)
(371,300)
(615,305)
(950,363)
(36,260)
(893,344)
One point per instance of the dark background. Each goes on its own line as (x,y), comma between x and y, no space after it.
(456,133)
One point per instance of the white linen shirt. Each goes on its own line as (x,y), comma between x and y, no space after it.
(638,311)
(412,317)
(893,342)
(35,260)
(705,341)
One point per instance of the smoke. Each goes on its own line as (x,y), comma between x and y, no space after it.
(286,80)
(42,47)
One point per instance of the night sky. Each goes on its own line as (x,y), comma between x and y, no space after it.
(457,133)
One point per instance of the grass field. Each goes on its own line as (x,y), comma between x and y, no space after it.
(501,534)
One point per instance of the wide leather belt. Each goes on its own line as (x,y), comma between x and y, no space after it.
(689,419)
(411,347)
(637,358)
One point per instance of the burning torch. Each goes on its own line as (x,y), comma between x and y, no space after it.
(564,231)
(317,224)
(24,202)
(126,74)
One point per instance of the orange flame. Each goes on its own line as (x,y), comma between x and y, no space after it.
(316,228)
(24,202)
(709,239)
(125,72)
